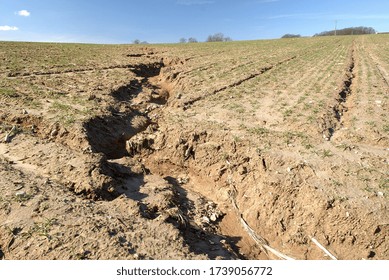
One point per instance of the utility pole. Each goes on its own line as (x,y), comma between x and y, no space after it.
(336,26)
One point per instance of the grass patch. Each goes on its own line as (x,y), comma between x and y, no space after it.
(67,115)
(68,120)
(7,92)
(384,184)
(261,131)
(326,153)
(235,107)
(287,113)
(56,106)
(41,229)
(23,197)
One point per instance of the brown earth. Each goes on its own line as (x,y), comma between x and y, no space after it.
(195,152)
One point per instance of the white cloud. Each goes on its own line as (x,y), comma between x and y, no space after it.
(8,28)
(194,2)
(24,13)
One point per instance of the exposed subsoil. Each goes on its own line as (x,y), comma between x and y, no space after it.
(129,183)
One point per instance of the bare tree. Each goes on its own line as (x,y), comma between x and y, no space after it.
(137,42)
(218,37)
(182,40)
(291,36)
(192,40)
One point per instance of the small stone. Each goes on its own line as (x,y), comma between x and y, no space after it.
(54,132)
(380,194)
(289,169)
(242,170)
(211,204)
(20,194)
(205,219)
(183,180)
(19,187)
(213,217)
(91,97)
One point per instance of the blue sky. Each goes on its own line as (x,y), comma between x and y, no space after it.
(166,21)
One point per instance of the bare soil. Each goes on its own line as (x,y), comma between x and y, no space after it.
(195,152)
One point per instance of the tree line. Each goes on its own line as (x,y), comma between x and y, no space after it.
(361,30)
(217,37)
(291,36)
(220,37)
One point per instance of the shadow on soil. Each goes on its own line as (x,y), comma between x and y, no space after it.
(108,134)
(203,241)
(148,70)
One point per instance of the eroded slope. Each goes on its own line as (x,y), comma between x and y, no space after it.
(202,151)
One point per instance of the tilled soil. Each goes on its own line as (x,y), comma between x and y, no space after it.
(150,156)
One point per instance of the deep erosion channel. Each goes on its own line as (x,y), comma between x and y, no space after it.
(135,145)
(235,206)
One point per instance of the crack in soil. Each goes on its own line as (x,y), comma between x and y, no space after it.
(59,72)
(332,119)
(239,82)
(108,134)
(127,136)
(254,75)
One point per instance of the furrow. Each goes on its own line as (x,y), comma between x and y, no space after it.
(239,82)
(49,73)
